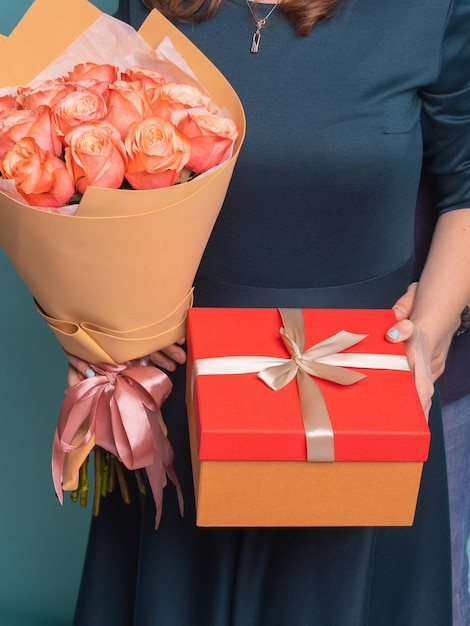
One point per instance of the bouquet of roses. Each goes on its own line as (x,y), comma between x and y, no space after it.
(99,127)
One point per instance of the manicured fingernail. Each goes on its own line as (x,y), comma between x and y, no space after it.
(144,361)
(89,373)
(393,333)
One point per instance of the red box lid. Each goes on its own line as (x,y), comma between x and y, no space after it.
(238,417)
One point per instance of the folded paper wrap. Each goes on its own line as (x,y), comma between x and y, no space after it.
(113,281)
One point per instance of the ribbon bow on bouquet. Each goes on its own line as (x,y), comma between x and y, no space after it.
(116,412)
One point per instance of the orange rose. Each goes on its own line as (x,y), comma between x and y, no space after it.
(95,155)
(178,96)
(89,85)
(157,153)
(211,138)
(36,124)
(40,177)
(99,72)
(92,77)
(127,103)
(78,107)
(38,93)
(7,104)
(150,80)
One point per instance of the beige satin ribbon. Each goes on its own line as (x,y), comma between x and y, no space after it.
(321,360)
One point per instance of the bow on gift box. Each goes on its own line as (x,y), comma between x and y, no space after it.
(323,360)
(118,410)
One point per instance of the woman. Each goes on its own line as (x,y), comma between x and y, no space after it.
(320,213)
(454,389)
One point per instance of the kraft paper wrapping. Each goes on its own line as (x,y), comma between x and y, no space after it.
(113,281)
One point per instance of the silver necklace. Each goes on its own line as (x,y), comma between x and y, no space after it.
(260,23)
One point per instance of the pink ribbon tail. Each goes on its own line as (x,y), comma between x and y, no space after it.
(118,410)
(162,467)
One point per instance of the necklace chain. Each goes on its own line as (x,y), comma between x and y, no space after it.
(260,23)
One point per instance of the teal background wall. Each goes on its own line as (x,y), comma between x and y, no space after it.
(42,544)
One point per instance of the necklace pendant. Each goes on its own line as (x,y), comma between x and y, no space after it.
(260,23)
(255,41)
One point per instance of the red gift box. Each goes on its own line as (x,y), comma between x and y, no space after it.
(249,442)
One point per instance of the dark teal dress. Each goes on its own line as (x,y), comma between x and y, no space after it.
(320,213)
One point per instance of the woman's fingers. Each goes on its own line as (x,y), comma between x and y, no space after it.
(404,305)
(73,376)
(401,331)
(419,356)
(170,357)
(77,370)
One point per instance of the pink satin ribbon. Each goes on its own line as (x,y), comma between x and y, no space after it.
(118,410)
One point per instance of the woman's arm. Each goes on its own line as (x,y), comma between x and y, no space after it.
(436,302)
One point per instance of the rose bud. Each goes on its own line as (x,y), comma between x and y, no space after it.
(78,107)
(40,177)
(127,103)
(151,81)
(177,96)
(157,153)
(38,93)
(211,138)
(99,72)
(8,104)
(95,155)
(36,124)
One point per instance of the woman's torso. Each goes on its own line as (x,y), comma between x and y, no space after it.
(324,190)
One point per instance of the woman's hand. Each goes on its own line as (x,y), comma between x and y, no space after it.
(169,358)
(426,361)
(77,370)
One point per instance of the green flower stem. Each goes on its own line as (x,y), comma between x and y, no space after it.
(122,482)
(83,483)
(104,473)
(107,469)
(112,474)
(98,453)
(141,482)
